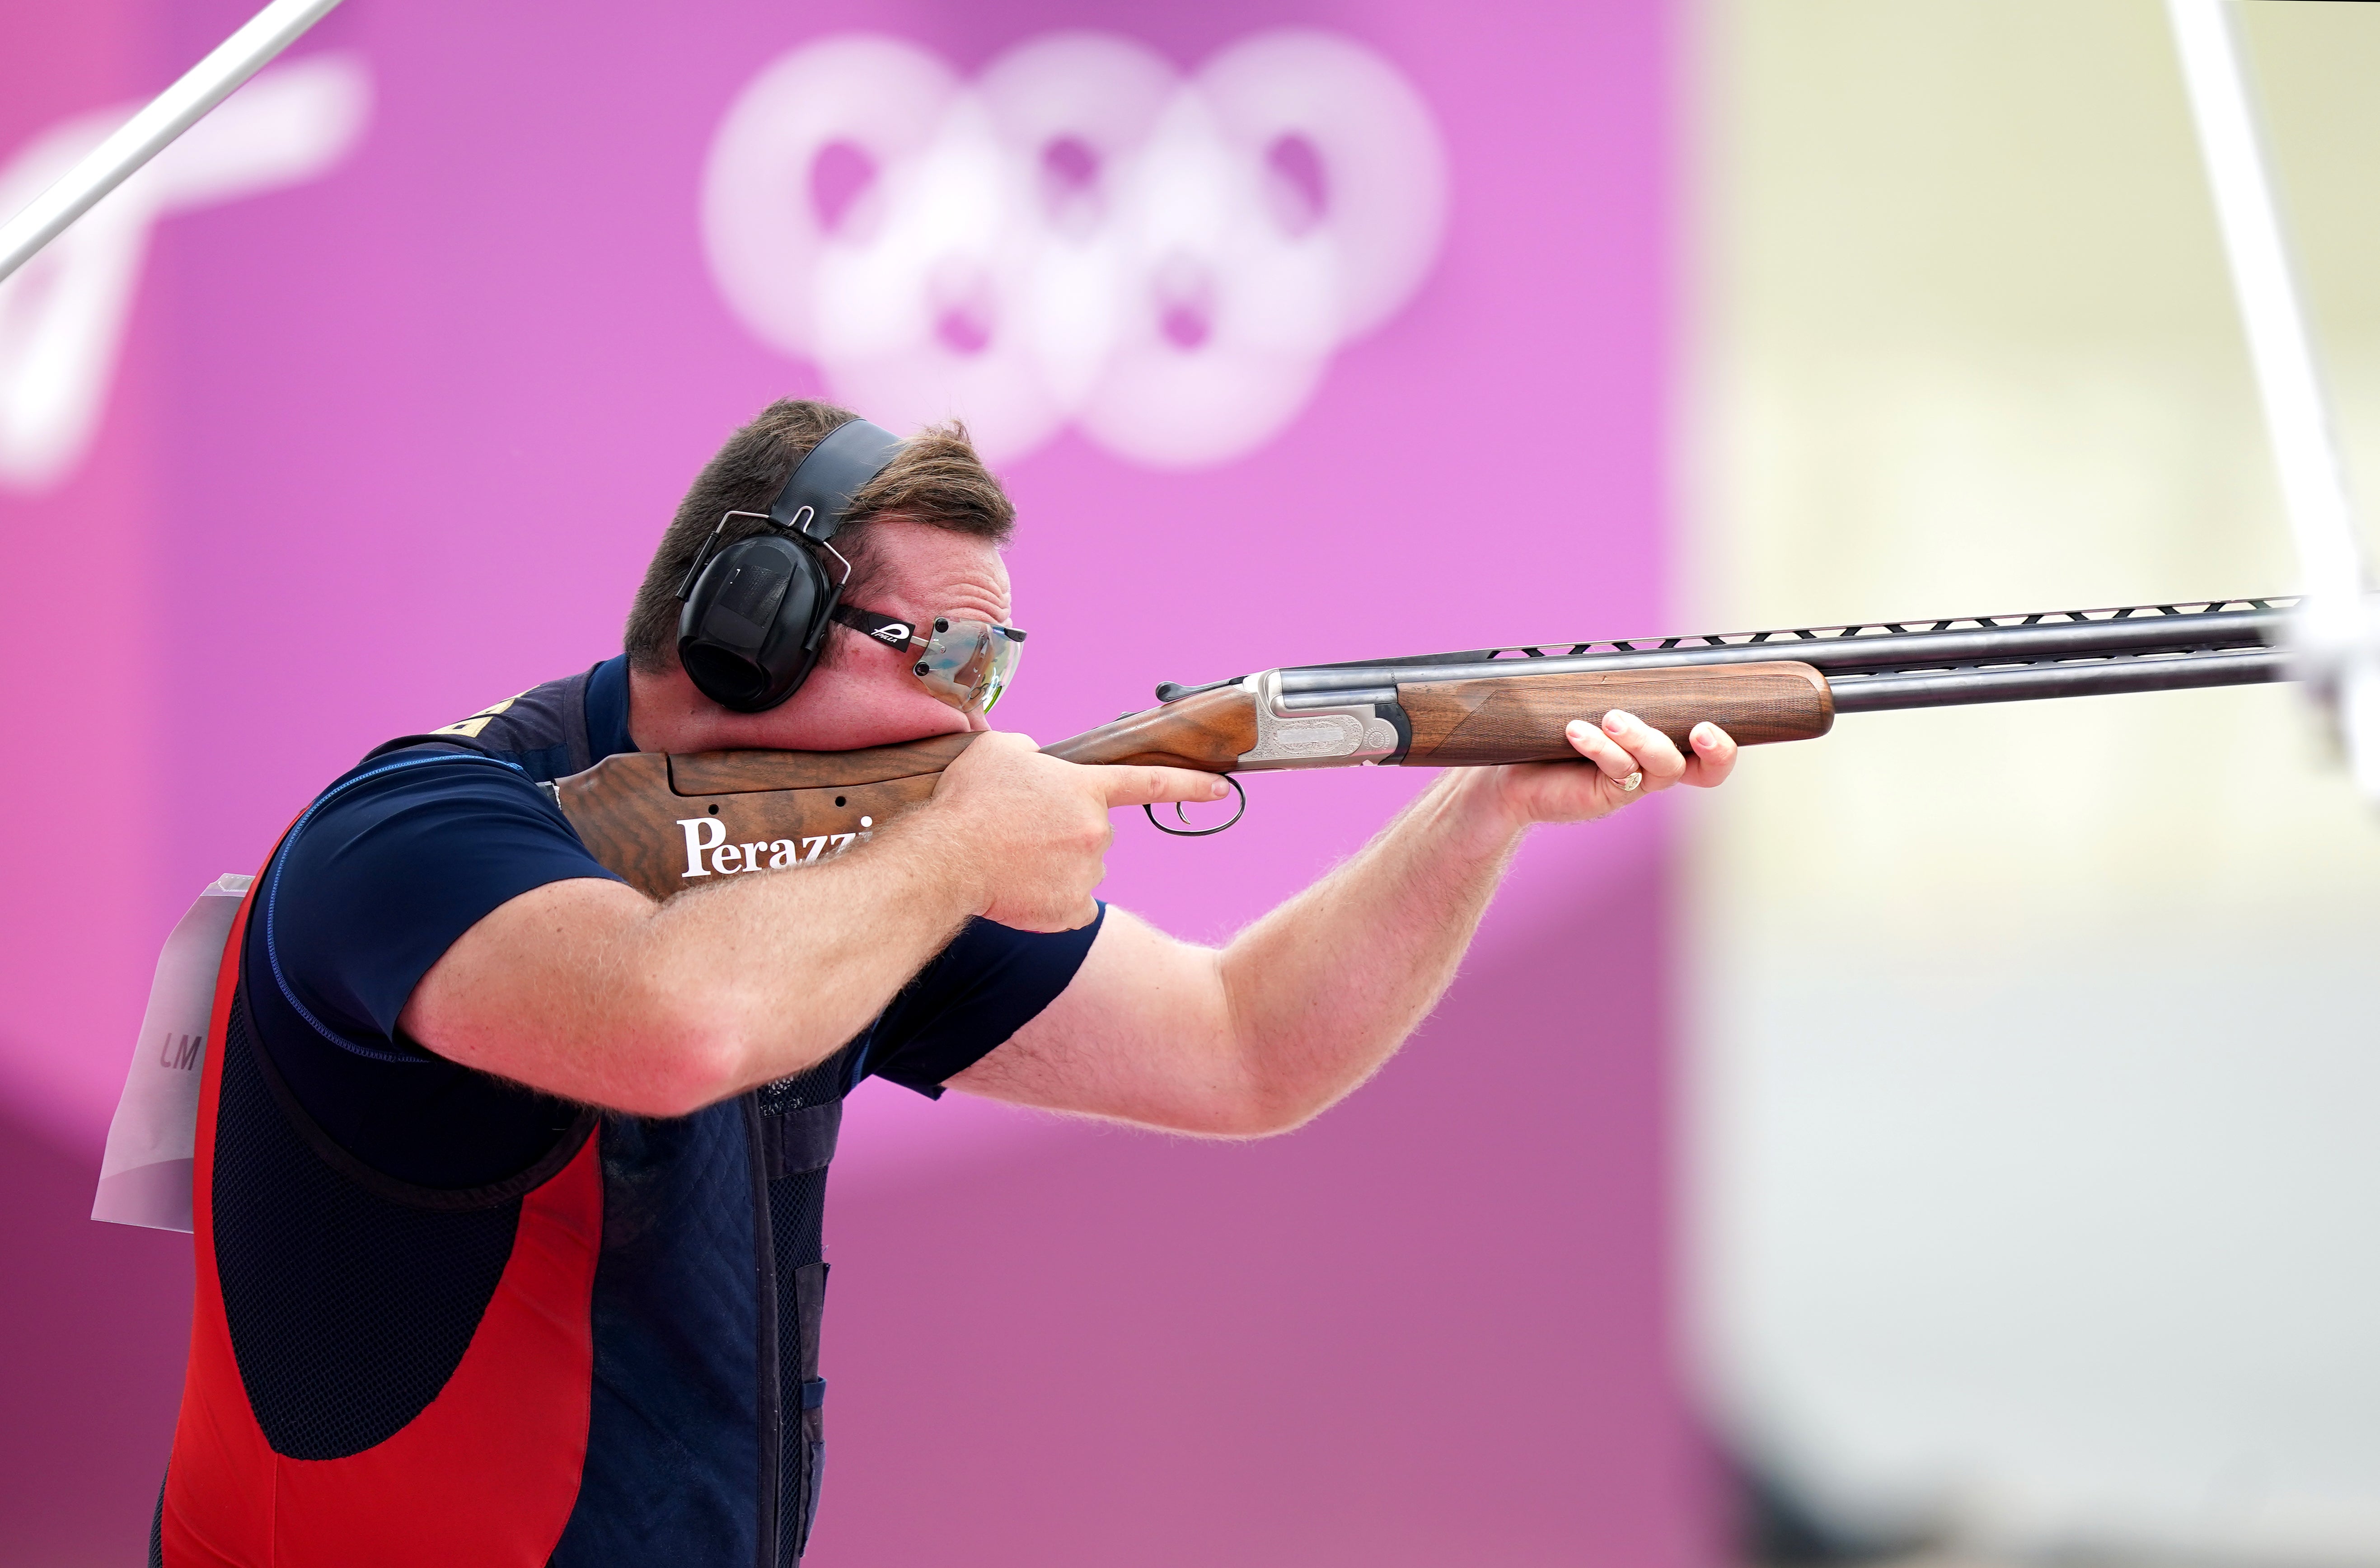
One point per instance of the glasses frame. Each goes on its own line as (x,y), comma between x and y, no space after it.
(904,635)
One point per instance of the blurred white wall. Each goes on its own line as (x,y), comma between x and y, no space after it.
(2037,1098)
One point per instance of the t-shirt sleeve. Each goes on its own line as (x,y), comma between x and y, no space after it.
(988,984)
(381,877)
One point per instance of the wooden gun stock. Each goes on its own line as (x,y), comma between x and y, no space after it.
(668,823)
(1210,731)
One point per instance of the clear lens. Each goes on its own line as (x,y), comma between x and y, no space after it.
(969,663)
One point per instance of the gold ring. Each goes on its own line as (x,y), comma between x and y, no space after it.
(1628,785)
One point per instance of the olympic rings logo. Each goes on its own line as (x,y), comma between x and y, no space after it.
(1079,235)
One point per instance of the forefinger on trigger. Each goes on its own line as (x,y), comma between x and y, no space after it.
(1157,786)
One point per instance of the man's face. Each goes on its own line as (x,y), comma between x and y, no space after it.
(862,694)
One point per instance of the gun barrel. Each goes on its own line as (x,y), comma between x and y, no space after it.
(2021,683)
(1907,665)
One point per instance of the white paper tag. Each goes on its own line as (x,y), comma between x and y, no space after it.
(145,1176)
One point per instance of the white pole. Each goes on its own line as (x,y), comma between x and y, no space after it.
(146,134)
(2335,644)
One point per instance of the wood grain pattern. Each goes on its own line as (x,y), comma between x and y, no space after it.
(1210,732)
(804,806)
(1479,722)
(773,810)
(636,825)
(735,772)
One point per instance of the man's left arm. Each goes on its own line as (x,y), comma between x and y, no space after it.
(1309,1002)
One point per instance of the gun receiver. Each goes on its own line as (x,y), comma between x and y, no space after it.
(668,823)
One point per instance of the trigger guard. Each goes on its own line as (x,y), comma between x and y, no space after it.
(1185,830)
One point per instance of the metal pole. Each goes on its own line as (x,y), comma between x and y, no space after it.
(147,133)
(2334,634)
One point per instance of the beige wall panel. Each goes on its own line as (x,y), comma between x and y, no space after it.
(2037,1128)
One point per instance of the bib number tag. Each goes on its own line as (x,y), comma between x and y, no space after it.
(144,1178)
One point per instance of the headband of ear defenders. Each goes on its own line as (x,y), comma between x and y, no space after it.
(756,611)
(819,493)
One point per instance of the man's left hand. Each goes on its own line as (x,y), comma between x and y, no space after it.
(1305,1003)
(1622,745)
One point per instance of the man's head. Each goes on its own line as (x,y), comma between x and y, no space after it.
(923,538)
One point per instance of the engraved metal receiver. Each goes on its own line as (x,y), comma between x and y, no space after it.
(1316,737)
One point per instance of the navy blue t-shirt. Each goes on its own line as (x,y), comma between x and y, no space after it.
(409,850)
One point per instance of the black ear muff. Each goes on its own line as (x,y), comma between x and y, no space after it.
(756,612)
(746,633)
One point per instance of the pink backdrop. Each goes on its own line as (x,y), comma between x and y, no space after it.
(393,442)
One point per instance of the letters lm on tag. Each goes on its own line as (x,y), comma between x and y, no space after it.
(144,1178)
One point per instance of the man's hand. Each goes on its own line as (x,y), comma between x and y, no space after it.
(1621,744)
(1032,832)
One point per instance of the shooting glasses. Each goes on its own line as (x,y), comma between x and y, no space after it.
(965,664)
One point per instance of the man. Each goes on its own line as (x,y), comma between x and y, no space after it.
(510,1178)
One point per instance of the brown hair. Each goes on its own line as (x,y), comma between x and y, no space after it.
(936,479)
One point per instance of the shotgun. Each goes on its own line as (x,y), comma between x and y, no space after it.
(669,822)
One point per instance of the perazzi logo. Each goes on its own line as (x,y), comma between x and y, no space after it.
(706,840)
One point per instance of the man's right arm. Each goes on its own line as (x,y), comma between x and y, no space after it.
(588,990)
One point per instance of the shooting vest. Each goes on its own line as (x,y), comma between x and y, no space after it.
(610,1358)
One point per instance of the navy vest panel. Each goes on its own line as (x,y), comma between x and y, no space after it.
(683,1428)
(706,1441)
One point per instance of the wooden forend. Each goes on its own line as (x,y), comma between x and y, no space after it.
(1521,718)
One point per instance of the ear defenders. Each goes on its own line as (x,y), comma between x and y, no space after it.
(756,612)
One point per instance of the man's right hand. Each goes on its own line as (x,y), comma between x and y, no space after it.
(588,990)
(1034,831)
